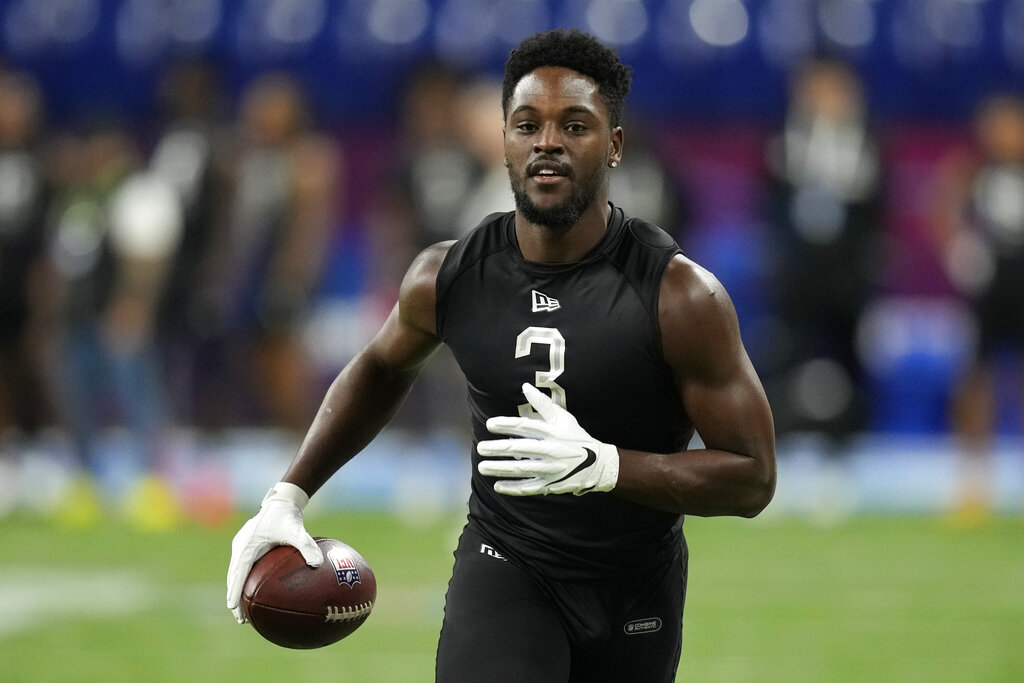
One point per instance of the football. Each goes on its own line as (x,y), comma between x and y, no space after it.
(294,605)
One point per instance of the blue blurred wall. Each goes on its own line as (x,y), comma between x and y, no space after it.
(693,58)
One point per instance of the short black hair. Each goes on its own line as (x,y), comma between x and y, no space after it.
(576,50)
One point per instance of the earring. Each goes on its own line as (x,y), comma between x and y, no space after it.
(614,164)
(506,163)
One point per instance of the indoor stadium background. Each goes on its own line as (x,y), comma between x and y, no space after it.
(863,568)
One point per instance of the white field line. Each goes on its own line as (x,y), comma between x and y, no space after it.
(34,597)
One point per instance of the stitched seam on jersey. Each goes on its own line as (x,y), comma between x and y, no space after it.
(650,303)
(440,294)
(616,228)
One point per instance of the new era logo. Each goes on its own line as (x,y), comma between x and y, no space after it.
(491,552)
(543,302)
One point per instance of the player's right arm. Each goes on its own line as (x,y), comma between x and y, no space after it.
(360,402)
(367,393)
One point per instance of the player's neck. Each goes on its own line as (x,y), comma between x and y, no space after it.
(543,244)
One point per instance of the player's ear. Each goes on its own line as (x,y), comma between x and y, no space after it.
(615,147)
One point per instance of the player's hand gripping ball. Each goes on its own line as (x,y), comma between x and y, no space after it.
(294,605)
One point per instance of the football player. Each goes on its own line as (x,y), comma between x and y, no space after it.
(593,349)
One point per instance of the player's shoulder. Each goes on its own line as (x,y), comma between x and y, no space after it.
(423,271)
(441,261)
(692,297)
(700,332)
(650,235)
(696,317)
(642,249)
(685,277)
(490,236)
(417,295)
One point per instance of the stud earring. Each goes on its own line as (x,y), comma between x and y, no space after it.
(506,163)
(614,164)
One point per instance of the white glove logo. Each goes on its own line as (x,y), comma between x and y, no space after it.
(590,460)
(554,454)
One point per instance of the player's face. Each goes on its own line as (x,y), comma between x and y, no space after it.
(558,142)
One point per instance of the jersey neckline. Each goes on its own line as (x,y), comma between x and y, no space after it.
(615,222)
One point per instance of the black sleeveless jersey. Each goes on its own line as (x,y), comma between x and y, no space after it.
(586,333)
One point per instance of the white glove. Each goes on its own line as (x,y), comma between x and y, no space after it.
(279,522)
(556,455)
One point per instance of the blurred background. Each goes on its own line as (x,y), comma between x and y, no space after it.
(206,207)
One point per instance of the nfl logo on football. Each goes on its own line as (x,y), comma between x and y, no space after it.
(344,568)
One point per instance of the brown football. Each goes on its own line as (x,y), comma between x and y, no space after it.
(294,605)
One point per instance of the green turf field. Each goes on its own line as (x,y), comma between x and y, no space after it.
(872,599)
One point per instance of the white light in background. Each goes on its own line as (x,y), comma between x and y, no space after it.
(619,22)
(33,25)
(146,217)
(71,20)
(144,28)
(516,19)
(821,389)
(787,31)
(269,27)
(848,23)
(924,31)
(1013,32)
(956,23)
(139,30)
(913,43)
(398,22)
(721,23)
(677,42)
(294,21)
(194,21)
(466,30)
(893,328)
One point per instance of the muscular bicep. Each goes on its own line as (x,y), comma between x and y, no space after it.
(719,388)
(368,391)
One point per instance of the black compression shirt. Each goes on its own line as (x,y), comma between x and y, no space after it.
(587,334)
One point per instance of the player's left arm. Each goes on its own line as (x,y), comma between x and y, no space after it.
(734,474)
(550,453)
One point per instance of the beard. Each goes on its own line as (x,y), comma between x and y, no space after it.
(561,216)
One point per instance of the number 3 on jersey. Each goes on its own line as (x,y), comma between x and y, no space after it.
(544,379)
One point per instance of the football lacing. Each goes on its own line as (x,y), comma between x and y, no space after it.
(348,613)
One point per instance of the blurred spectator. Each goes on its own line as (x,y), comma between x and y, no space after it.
(434,171)
(114,231)
(825,194)
(23,198)
(479,122)
(189,155)
(644,186)
(979,223)
(449,173)
(448,139)
(284,180)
